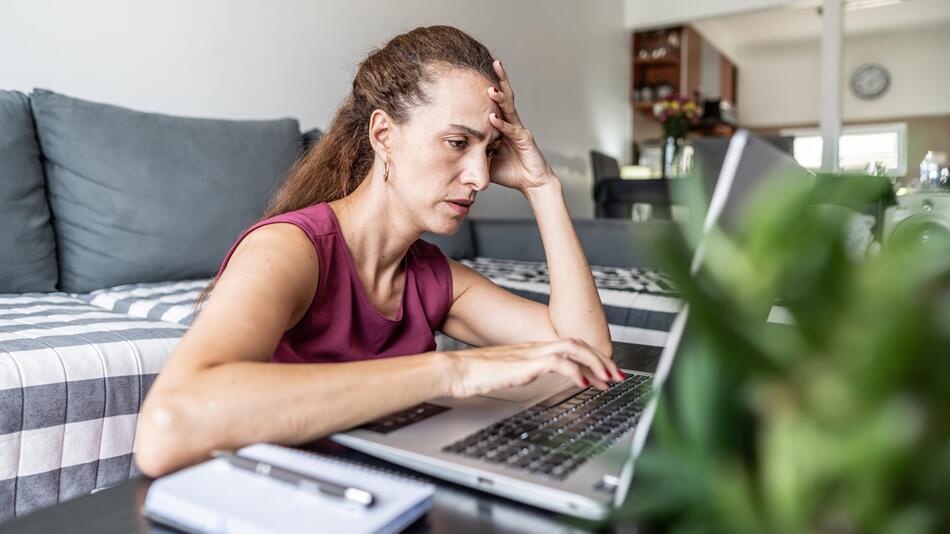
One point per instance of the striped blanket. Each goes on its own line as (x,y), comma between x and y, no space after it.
(640,304)
(74,369)
(72,377)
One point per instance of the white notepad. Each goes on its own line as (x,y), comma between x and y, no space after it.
(215,496)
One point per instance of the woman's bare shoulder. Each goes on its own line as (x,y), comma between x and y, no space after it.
(277,238)
(279,259)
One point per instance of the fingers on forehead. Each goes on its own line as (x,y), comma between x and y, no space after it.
(496,108)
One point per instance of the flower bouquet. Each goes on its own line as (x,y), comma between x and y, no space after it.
(676,115)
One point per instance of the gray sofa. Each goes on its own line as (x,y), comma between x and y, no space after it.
(113,220)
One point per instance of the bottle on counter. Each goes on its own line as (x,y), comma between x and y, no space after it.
(929,172)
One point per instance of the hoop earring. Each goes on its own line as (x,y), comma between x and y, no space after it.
(386,171)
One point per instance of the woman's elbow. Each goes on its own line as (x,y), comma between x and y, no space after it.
(159,436)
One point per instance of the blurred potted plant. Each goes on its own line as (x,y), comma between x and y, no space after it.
(676,115)
(836,422)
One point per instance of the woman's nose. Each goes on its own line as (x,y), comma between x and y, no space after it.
(478,174)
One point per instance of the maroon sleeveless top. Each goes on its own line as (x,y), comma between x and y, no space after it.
(342,324)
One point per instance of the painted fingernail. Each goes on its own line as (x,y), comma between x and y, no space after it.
(585,382)
(620,374)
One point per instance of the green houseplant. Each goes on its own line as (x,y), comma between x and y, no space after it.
(839,422)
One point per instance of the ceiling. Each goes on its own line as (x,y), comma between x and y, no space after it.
(801,21)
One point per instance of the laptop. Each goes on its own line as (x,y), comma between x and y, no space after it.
(549,443)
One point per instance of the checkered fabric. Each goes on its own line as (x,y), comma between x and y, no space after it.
(72,378)
(74,369)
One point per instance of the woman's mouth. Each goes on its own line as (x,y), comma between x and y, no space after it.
(460,207)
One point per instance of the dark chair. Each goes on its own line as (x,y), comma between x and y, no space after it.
(603,167)
(614,197)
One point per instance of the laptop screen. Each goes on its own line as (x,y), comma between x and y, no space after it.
(732,171)
(750,162)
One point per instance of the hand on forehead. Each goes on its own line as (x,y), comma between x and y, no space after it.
(461,98)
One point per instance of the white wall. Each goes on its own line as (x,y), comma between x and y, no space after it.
(653,13)
(778,84)
(568,62)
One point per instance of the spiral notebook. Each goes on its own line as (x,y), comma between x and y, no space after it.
(214,496)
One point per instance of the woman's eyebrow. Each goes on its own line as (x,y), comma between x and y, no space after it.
(473,132)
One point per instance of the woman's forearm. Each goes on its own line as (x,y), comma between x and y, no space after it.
(238,403)
(574,306)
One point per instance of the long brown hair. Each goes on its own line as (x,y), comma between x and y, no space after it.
(395,79)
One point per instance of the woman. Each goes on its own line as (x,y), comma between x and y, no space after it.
(335,278)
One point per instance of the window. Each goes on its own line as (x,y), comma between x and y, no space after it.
(857,147)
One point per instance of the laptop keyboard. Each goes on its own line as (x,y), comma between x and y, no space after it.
(559,434)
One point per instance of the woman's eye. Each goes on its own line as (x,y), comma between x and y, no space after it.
(462,144)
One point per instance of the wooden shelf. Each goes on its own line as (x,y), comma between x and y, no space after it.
(671,61)
(656,72)
(680,69)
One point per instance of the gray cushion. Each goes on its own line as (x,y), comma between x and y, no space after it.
(144,197)
(459,245)
(27,248)
(607,242)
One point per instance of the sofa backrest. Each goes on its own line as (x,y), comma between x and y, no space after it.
(27,246)
(142,197)
(607,242)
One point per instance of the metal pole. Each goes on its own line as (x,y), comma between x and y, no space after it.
(830,83)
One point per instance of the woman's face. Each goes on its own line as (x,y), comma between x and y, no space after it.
(444,151)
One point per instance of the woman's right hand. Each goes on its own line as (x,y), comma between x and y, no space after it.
(481,370)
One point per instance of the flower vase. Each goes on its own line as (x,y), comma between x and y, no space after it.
(673,157)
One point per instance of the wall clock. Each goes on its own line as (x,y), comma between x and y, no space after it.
(870,81)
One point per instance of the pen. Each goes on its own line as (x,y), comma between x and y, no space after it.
(303,481)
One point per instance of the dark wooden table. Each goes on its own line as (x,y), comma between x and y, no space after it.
(616,197)
(455,508)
